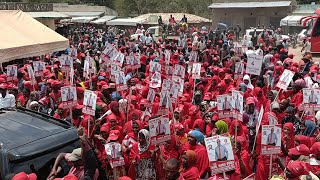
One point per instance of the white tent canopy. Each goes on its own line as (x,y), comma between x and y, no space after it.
(291,21)
(22,36)
(103,20)
(125,22)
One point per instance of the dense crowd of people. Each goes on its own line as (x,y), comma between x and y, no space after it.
(122,116)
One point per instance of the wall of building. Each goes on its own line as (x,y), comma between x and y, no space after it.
(64,7)
(47,22)
(249,17)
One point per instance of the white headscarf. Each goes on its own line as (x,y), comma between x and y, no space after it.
(146,146)
(249,85)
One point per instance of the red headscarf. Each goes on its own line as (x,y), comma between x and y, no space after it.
(192,172)
(239,128)
(304,140)
(199,124)
(289,141)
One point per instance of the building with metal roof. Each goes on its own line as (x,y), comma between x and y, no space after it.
(252,13)
(152,18)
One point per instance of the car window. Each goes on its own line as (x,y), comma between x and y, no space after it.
(152,31)
(251,32)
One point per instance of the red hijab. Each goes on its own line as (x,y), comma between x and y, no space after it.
(289,140)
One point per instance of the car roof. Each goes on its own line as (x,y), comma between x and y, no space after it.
(258,29)
(20,128)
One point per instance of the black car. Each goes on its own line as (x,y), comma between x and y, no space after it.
(30,141)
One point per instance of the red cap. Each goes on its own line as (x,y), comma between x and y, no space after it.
(179,109)
(144,101)
(249,101)
(207,96)
(60,106)
(114,135)
(24,176)
(68,177)
(215,117)
(3,86)
(79,106)
(315,149)
(302,149)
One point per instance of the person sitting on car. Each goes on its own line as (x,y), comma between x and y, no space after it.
(6,100)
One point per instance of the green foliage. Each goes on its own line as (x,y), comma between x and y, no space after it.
(138,7)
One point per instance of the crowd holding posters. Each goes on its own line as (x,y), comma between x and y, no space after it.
(285,79)
(220,154)
(159,130)
(254,64)
(69,96)
(12,72)
(271,139)
(213,101)
(89,102)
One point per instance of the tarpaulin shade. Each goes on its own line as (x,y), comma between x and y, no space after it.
(22,36)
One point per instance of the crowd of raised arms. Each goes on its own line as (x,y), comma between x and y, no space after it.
(160,102)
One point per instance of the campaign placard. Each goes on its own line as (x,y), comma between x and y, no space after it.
(159,130)
(237,104)
(12,72)
(72,52)
(167,56)
(151,95)
(261,112)
(69,96)
(174,91)
(254,64)
(121,83)
(66,63)
(114,155)
(164,99)
(168,70)
(311,98)
(166,85)
(179,81)
(155,80)
(89,102)
(114,70)
(271,139)
(193,57)
(179,70)
(155,67)
(38,67)
(109,48)
(133,62)
(119,59)
(224,105)
(220,154)
(31,74)
(196,70)
(238,70)
(285,79)
(273,120)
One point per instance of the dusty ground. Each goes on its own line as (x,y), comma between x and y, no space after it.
(299,55)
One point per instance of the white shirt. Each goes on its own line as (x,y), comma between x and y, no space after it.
(9,101)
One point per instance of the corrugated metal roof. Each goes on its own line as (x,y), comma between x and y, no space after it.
(83,14)
(103,19)
(125,22)
(250,4)
(152,18)
(49,14)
